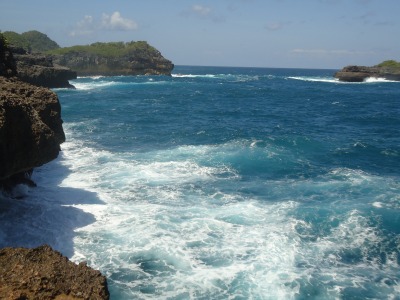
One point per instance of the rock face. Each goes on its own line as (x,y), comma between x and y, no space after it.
(94,60)
(42,273)
(30,123)
(30,127)
(38,69)
(360,73)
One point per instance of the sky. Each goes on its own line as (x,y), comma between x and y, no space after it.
(324,34)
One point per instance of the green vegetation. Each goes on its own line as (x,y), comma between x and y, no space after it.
(389,64)
(3,42)
(31,41)
(113,49)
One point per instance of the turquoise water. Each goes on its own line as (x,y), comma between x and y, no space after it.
(224,183)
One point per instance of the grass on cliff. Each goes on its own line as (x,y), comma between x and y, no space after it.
(113,49)
(390,64)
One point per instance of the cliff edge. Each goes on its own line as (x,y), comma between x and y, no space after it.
(30,127)
(38,69)
(30,121)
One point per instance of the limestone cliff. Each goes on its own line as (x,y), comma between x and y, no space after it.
(30,126)
(30,121)
(42,273)
(38,69)
(109,59)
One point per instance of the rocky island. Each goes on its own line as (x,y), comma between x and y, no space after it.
(30,135)
(389,70)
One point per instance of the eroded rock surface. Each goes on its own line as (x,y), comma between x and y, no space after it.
(42,273)
(30,127)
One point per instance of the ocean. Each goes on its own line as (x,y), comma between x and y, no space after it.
(223,183)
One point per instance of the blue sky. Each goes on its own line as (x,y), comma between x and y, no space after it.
(253,33)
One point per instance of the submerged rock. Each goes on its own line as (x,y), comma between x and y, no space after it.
(42,273)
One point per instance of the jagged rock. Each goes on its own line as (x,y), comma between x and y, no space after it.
(42,273)
(30,127)
(38,69)
(360,73)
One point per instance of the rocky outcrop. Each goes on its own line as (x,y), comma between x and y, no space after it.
(361,73)
(38,69)
(42,273)
(30,123)
(30,127)
(112,59)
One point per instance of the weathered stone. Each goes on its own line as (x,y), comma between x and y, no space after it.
(42,273)
(38,69)
(30,127)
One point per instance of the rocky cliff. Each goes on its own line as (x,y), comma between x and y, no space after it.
(42,273)
(38,69)
(30,127)
(361,73)
(109,59)
(30,122)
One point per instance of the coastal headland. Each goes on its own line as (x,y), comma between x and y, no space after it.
(389,70)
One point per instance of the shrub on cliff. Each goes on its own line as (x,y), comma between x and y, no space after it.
(112,49)
(31,41)
(390,64)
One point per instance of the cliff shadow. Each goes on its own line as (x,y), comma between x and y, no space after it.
(46,214)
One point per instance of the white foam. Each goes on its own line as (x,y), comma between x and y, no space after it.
(92,85)
(194,76)
(377,79)
(315,79)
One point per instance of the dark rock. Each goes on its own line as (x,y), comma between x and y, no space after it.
(30,127)
(361,73)
(8,66)
(42,273)
(38,69)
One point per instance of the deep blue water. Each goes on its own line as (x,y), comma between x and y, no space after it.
(224,183)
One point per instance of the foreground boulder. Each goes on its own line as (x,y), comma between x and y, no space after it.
(30,127)
(42,273)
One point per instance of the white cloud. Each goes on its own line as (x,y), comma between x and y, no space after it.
(88,25)
(83,27)
(329,52)
(201,10)
(272,26)
(117,22)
